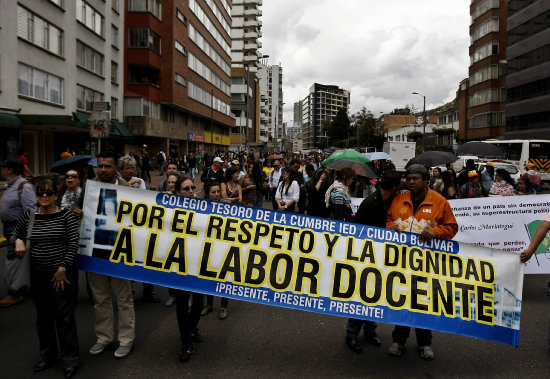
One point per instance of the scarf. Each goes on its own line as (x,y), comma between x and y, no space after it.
(336,186)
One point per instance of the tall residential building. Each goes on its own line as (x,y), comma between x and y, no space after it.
(483,93)
(271,90)
(322,103)
(178,84)
(245,53)
(298,114)
(528,71)
(59,57)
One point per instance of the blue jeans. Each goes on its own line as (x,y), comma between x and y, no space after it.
(401,333)
(353,328)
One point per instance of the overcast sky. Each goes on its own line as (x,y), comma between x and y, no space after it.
(379,50)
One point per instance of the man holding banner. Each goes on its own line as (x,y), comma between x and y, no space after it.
(423,211)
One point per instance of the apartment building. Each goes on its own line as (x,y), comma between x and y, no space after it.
(271,102)
(528,70)
(245,53)
(483,93)
(322,103)
(177,88)
(59,57)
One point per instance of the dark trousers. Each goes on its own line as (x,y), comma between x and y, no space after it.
(273,201)
(353,328)
(401,333)
(55,311)
(210,301)
(188,320)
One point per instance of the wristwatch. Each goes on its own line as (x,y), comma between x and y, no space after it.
(285,206)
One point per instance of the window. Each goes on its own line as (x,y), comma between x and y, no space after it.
(483,7)
(151,6)
(529,59)
(88,58)
(89,17)
(181,80)
(144,38)
(208,49)
(114,107)
(530,28)
(485,73)
(515,6)
(203,70)
(114,5)
(489,26)
(39,32)
(181,48)
(39,84)
(484,51)
(114,36)
(181,17)
(114,72)
(202,96)
(490,95)
(85,97)
(203,18)
(59,3)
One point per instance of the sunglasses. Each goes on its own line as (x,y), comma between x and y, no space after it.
(188,188)
(74,176)
(48,193)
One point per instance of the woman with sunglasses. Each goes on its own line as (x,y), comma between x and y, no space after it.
(70,192)
(187,320)
(288,192)
(212,192)
(54,237)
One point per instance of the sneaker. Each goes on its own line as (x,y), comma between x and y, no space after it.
(122,351)
(373,339)
(186,355)
(396,349)
(98,348)
(354,344)
(426,352)
(10,300)
(171,301)
(206,310)
(223,314)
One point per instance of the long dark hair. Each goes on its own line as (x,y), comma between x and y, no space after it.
(208,186)
(282,185)
(229,173)
(506,176)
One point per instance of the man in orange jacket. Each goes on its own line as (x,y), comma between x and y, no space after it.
(423,211)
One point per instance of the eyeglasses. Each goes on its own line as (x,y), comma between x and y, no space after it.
(48,193)
(74,176)
(188,188)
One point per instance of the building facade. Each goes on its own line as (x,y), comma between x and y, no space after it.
(58,58)
(483,94)
(528,70)
(178,82)
(271,103)
(245,53)
(322,103)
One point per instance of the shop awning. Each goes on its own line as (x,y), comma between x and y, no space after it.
(8,120)
(119,130)
(81,117)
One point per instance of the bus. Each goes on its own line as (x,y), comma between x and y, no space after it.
(521,151)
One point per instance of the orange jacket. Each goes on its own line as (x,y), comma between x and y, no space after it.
(434,211)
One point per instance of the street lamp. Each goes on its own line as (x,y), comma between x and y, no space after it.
(423,120)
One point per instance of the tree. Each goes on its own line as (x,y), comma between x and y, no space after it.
(402,111)
(339,128)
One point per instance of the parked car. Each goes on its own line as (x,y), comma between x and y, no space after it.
(510,167)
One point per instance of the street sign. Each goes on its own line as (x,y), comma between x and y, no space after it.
(101,106)
(99,124)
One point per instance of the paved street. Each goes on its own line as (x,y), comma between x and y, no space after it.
(263,341)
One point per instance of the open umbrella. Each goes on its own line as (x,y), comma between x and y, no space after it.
(63,165)
(275,156)
(377,156)
(348,154)
(433,158)
(359,168)
(481,149)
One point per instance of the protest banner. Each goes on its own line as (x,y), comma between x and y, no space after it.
(301,262)
(506,223)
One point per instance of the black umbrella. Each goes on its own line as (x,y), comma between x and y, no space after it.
(480,149)
(433,158)
(359,168)
(75,163)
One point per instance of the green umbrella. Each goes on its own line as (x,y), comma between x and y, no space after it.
(348,154)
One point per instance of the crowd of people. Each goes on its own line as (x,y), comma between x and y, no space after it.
(48,215)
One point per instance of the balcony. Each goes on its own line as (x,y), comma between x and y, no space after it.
(250,24)
(252,12)
(251,35)
(250,46)
(250,58)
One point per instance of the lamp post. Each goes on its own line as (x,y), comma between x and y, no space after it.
(423,120)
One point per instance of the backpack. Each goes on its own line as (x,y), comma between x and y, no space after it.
(20,187)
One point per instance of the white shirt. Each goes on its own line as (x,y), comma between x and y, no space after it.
(274,178)
(293,192)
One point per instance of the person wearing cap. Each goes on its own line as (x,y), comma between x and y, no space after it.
(372,211)
(473,188)
(18,198)
(488,176)
(423,211)
(274,178)
(235,163)
(214,173)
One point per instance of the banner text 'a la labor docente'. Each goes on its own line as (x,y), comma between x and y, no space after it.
(301,262)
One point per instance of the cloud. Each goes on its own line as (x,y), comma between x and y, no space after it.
(380,51)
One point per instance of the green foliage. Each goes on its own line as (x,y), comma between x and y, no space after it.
(414,135)
(443,131)
(402,111)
